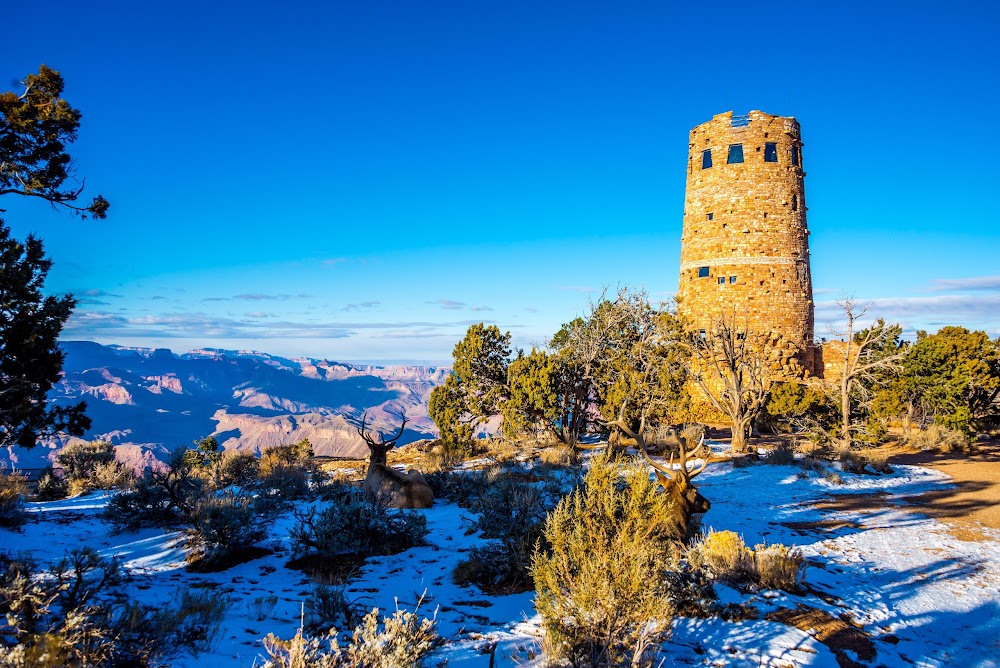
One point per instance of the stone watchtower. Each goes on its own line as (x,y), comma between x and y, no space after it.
(745,245)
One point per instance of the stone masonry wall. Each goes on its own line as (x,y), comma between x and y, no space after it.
(744,246)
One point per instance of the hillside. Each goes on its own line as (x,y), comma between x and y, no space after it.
(150,401)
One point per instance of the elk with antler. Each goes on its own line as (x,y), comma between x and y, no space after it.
(676,482)
(385,484)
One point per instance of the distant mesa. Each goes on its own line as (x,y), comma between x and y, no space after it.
(150,401)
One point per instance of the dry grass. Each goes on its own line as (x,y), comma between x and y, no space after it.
(937,437)
(778,567)
(728,559)
(725,554)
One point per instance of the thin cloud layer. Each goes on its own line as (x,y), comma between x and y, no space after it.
(101,324)
(976,283)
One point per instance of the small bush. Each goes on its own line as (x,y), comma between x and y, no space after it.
(878,460)
(600,591)
(512,509)
(50,486)
(726,556)
(401,640)
(164,497)
(559,456)
(778,567)
(355,526)
(328,607)
(194,622)
(112,475)
(57,621)
(13,489)
(449,454)
(261,607)
(78,460)
(782,454)
(295,454)
(237,468)
(462,487)
(222,526)
(935,436)
(285,482)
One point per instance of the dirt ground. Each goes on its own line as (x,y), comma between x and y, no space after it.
(974,500)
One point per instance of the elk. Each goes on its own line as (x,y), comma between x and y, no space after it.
(386,485)
(676,483)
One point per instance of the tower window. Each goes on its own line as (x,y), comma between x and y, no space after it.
(732,279)
(702,272)
(770,152)
(701,333)
(722,280)
(795,156)
(706,158)
(795,202)
(711,216)
(735,154)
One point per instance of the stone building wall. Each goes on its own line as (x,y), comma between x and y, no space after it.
(745,243)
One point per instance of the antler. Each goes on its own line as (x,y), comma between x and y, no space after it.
(666,474)
(387,443)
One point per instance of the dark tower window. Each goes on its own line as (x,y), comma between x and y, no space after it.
(702,272)
(770,152)
(711,216)
(732,279)
(706,158)
(722,280)
(795,202)
(735,154)
(795,156)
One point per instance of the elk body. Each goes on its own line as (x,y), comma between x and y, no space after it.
(386,485)
(676,482)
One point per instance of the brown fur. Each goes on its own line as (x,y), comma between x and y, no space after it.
(389,487)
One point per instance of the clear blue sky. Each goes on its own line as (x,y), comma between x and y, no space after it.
(361,180)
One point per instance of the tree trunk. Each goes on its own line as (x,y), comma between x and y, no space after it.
(845,410)
(740,440)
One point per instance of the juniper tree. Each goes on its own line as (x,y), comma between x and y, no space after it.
(36,125)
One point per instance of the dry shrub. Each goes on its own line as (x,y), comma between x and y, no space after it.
(936,436)
(448,454)
(79,459)
(112,475)
(724,554)
(512,510)
(328,607)
(727,558)
(261,607)
(401,640)
(49,486)
(223,526)
(877,459)
(850,460)
(778,567)
(503,451)
(559,456)
(351,525)
(601,593)
(782,454)
(237,468)
(13,489)
(284,470)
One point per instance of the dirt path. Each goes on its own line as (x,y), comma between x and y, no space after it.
(974,500)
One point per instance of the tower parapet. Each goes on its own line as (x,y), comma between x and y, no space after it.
(745,243)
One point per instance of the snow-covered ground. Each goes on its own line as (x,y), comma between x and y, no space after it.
(924,597)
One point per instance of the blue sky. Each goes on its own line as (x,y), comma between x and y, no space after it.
(362,180)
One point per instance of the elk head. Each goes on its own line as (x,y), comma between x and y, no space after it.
(378,444)
(676,482)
